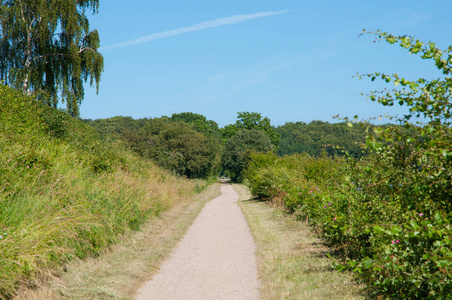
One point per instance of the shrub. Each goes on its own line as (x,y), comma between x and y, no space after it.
(237,150)
(390,213)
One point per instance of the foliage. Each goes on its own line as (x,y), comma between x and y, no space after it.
(390,212)
(64,193)
(178,147)
(417,167)
(187,143)
(199,122)
(318,138)
(237,150)
(286,179)
(116,127)
(293,264)
(47,48)
(249,121)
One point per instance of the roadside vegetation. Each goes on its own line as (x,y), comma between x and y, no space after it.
(122,269)
(389,213)
(64,193)
(292,262)
(319,138)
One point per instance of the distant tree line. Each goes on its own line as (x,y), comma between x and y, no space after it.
(319,138)
(186,143)
(191,145)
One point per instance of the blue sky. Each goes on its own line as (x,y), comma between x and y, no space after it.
(290,60)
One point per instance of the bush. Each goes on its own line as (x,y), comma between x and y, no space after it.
(390,213)
(177,147)
(238,148)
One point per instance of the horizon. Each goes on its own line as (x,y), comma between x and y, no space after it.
(334,121)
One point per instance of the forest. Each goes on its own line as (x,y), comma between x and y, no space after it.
(182,141)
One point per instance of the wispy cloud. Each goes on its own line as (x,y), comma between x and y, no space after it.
(196,27)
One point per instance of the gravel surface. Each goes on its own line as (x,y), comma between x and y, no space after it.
(214,260)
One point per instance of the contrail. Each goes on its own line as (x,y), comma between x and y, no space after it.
(196,27)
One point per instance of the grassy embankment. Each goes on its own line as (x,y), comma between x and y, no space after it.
(64,194)
(121,270)
(292,262)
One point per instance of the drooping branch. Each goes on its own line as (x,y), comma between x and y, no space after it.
(38,59)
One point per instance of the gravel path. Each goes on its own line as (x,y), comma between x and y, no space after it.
(214,260)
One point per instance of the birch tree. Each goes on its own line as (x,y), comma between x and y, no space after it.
(48,50)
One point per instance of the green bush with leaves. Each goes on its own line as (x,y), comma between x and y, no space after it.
(199,122)
(251,121)
(411,254)
(186,143)
(317,137)
(116,127)
(389,213)
(238,148)
(177,147)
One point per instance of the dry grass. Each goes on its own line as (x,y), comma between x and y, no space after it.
(120,271)
(292,263)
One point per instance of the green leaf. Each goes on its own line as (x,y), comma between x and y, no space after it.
(367,262)
(391,40)
(379,229)
(443,264)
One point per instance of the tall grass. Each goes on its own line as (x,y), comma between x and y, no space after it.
(63,193)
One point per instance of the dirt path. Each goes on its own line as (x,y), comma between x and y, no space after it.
(214,260)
